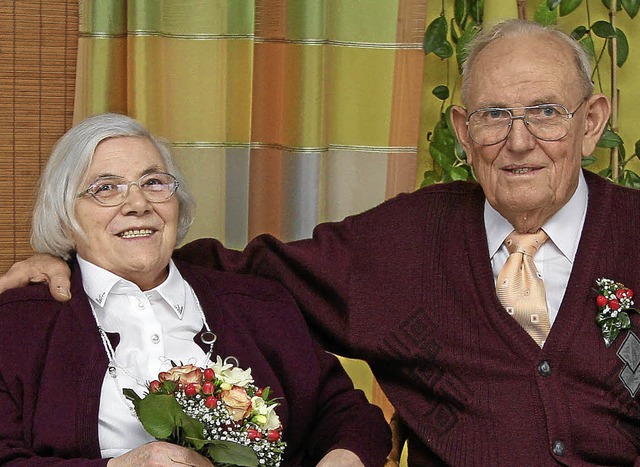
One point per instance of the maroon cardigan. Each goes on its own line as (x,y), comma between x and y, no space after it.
(408,287)
(52,364)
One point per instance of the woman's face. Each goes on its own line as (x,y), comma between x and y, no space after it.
(135,239)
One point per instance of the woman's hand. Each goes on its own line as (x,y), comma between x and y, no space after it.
(340,458)
(157,454)
(39,268)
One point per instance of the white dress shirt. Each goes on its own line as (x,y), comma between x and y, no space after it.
(155,328)
(555,257)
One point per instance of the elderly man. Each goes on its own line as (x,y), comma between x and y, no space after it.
(475,304)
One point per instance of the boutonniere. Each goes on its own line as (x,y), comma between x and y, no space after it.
(614,302)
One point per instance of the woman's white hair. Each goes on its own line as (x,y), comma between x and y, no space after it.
(54,218)
(519,29)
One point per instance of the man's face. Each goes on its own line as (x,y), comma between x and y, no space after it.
(522,175)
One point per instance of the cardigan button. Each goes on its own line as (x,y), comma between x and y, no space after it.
(558,448)
(544,368)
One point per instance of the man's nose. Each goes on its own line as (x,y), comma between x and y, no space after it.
(519,137)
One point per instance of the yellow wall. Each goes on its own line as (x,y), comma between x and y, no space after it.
(495,10)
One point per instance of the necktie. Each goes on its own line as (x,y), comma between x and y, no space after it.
(520,287)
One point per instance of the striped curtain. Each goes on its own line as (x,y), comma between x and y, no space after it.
(281,113)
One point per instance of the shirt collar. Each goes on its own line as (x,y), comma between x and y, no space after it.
(98,283)
(563,228)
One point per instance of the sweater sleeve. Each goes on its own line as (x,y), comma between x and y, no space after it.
(316,272)
(14,449)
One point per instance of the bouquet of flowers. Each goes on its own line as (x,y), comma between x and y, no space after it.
(614,302)
(217,411)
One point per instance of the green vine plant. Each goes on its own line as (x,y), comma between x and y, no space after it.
(441,36)
(603,40)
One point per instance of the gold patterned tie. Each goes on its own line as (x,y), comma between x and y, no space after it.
(520,287)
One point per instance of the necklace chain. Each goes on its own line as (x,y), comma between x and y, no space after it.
(207,337)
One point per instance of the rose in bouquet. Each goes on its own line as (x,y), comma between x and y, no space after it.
(217,411)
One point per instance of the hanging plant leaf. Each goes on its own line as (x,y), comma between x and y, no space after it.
(441,92)
(435,37)
(586,161)
(579,32)
(631,7)
(622,47)
(461,47)
(567,6)
(454,32)
(609,139)
(476,9)
(587,44)
(429,178)
(603,29)
(459,11)
(631,179)
(607,3)
(459,173)
(545,16)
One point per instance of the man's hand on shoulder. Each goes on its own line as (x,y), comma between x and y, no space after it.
(39,268)
(340,458)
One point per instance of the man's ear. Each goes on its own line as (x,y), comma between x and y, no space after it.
(598,109)
(459,124)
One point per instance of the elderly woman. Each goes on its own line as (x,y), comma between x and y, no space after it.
(113,203)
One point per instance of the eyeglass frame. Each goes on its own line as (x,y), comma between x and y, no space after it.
(509,110)
(88,191)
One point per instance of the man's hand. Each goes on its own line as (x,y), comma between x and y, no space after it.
(157,454)
(340,458)
(39,268)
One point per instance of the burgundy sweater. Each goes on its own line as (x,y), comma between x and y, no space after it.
(408,287)
(52,363)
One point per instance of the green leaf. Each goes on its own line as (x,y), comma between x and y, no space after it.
(622,46)
(543,15)
(603,29)
(476,10)
(461,47)
(579,32)
(631,7)
(631,179)
(459,11)
(435,37)
(459,173)
(609,139)
(607,3)
(605,173)
(444,50)
(586,161)
(567,6)
(430,177)
(587,44)
(161,416)
(441,158)
(227,452)
(441,92)
(552,4)
(131,395)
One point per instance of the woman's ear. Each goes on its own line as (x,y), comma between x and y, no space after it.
(459,124)
(598,109)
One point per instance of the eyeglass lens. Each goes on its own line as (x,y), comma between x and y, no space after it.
(546,122)
(156,187)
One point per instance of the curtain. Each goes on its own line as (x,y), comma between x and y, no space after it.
(281,113)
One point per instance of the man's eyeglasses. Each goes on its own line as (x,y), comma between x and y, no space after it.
(113,191)
(548,122)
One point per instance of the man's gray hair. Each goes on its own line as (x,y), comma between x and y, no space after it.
(518,28)
(54,218)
